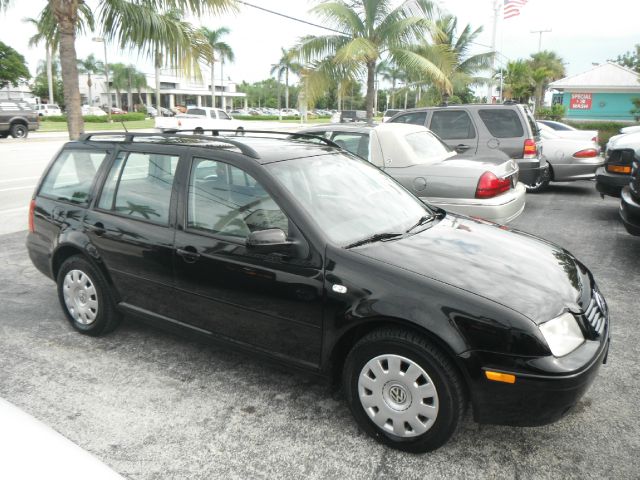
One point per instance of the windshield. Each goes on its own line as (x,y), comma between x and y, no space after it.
(349,199)
(427,148)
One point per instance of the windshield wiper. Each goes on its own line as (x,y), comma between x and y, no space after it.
(422,221)
(374,238)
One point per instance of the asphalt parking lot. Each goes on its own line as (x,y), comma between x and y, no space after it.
(153,406)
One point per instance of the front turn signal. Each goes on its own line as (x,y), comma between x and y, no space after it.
(619,168)
(500,377)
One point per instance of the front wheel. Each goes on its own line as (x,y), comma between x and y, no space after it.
(19,130)
(403,391)
(85,297)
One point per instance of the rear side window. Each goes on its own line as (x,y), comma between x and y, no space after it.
(502,122)
(72,175)
(139,185)
(356,143)
(414,118)
(452,124)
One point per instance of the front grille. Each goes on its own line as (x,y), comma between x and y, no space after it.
(594,315)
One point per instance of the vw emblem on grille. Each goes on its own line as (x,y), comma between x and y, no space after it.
(600,302)
(398,394)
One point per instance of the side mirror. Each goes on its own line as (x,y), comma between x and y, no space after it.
(272,240)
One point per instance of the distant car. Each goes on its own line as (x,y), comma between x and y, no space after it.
(348,116)
(290,112)
(484,186)
(567,131)
(484,129)
(48,110)
(117,111)
(17,118)
(23,439)
(616,172)
(386,116)
(569,159)
(198,119)
(95,111)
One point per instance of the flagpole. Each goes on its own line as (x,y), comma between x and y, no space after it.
(496,11)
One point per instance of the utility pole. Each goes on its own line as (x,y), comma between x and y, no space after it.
(540,32)
(496,10)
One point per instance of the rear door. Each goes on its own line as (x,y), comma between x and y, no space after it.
(507,131)
(456,128)
(132,227)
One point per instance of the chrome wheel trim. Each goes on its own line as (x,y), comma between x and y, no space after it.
(398,395)
(80,297)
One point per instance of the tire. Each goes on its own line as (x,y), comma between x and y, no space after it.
(415,427)
(19,130)
(543,182)
(85,297)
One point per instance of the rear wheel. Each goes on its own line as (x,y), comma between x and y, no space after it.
(403,391)
(19,130)
(542,183)
(85,297)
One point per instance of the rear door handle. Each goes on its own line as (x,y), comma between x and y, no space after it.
(188,254)
(462,147)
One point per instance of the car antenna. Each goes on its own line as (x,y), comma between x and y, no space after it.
(124,126)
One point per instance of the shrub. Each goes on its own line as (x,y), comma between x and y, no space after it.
(124,117)
(556,112)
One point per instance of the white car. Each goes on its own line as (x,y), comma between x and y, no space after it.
(30,449)
(199,119)
(567,131)
(47,110)
(95,111)
(569,159)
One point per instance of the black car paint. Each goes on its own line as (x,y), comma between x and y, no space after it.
(630,201)
(288,310)
(612,183)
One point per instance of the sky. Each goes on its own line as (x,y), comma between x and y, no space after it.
(582,32)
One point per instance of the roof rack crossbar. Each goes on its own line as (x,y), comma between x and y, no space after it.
(243,133)
(129,136)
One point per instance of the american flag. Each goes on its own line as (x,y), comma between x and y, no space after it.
(512,7)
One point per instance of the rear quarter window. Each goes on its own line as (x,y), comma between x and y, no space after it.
(414,118)
(502,123)
(71,176)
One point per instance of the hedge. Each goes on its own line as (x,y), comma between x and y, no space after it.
(271,117)
(123,117)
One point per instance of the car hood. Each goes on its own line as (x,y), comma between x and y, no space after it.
(522,272)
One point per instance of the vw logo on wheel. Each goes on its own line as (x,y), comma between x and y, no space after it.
(398,394)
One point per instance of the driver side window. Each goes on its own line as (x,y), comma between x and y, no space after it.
(226,200)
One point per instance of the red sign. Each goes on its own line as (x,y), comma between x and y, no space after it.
(580,101)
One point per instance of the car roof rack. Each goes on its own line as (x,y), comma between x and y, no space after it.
(130,136)
(243,133)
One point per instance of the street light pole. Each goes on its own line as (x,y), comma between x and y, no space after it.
(106,75)
(540,32)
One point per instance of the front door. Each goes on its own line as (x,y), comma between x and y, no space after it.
(270,302)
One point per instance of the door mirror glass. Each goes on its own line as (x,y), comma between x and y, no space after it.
(269,241)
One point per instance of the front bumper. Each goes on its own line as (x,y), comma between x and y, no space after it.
(500,209)
(610,183)
(545,388)
(629,212)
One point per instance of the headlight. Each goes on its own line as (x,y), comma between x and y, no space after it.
(563,334)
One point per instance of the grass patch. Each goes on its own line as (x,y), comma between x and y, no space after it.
(96,127)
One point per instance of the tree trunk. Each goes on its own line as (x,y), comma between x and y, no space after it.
(223,100)
(371,72)
(50,73)
(118,97)
(213,83)
(393,92)
(286,88)
(66,14)
(157,62)
(90,84)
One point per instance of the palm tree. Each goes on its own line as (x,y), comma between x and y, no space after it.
(119,80)
(218,47)
(517,83)
(138,25)
(285,65)
(89,66)
(373,30)
(546,66)
(224,54)
(139,82)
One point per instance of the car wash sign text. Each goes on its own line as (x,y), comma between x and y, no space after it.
(580,101)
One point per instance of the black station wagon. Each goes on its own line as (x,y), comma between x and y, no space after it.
(301,252)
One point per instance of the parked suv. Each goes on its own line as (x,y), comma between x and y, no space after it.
(302,253)
(483,129)
(16,119)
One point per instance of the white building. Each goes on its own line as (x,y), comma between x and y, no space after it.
(174,90)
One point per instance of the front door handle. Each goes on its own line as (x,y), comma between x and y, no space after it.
(462,148)
(188,254)
(97,228)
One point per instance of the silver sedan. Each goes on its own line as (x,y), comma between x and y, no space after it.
(480,186)
(569,159)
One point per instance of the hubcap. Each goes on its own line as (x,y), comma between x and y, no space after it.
(398,395)
(80,297)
